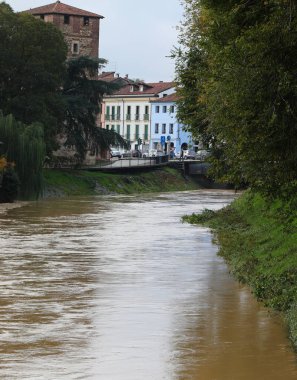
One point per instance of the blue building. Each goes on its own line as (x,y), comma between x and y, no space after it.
(165,129)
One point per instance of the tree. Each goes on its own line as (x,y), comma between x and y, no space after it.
(237,74)
(38,85)
(32,68)
(82,94)
(23,148)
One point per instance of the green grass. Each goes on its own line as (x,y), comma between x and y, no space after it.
(258,239)
(76,182)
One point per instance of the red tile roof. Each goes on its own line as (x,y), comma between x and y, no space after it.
(107,76)
(148,89)
(167,99)
(60,8)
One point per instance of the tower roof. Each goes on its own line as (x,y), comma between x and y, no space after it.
(60,8)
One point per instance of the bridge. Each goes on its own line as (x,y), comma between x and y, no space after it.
(129,164)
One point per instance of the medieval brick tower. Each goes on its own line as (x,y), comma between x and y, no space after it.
(80,28)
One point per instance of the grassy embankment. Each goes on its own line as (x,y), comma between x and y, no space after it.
(258,239)
(75,182)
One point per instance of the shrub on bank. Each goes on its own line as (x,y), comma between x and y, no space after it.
(9,186)
(258,239)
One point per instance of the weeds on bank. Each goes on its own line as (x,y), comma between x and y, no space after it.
(258,240)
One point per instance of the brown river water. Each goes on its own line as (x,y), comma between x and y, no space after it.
(117,288)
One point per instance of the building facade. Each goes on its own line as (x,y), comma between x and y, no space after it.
(79,27)
(167,134)
(128,110)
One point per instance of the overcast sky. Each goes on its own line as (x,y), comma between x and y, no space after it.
(136,35)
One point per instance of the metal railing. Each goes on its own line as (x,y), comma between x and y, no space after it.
(132,162)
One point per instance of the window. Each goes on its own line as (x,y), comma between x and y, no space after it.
(107,126)
(170,129)
(157,128)
(164,109)
(136,131)
(157,109)
(146,113)
(86,21)
(128,116)
(42,17)
(163,128)
(66,19)
(118,129)
(128,132)
(112,127)
(118,112)
(75,47)
(113,113)
(171,109)
(146,131)
(137,113)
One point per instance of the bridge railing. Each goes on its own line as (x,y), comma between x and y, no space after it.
(132,162)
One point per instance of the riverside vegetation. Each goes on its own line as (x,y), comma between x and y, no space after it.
(59,183)
(258,240)
(237,77)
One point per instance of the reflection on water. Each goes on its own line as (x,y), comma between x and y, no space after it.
(117,288)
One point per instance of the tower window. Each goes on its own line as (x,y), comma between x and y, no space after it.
(75,48)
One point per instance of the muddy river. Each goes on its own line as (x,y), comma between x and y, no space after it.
(117,288)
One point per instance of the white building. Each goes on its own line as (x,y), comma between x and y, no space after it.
(128,110)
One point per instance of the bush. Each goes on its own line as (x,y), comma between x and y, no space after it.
(9,187)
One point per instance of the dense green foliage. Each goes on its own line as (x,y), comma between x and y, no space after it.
(23,146)
(9,185)
(258,239)
(32,68)
(237,79)
(37,84)
(82,93)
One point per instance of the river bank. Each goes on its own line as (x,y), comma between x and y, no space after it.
(258,239)
(61,183)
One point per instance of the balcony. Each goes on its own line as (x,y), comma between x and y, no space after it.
(146,116)
(107,117)
(137,116)
(128,116)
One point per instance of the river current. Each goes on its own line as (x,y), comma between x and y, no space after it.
(117,288)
